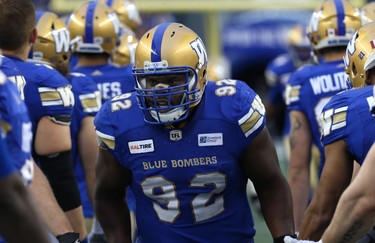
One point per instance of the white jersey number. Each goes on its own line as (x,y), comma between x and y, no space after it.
(167,205)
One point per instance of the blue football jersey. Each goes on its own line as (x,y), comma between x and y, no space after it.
(6,163)
(47,92)
(16,124)
(187,182)
(347,117)
(111,80)
(277,75)
(12,72)
(308,91)
(87,103)
(15,132)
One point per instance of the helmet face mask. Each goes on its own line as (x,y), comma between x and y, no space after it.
(170,68)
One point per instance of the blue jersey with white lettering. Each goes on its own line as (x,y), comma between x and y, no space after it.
(308,91)
(15,122)
(87,103)
(47,92)
(347,117)
(187,182)
(12,72)
(277,75)
(111,80)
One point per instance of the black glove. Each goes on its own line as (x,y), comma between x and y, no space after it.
(70,237)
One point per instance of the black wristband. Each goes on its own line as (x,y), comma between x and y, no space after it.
(70,237)
(280,239)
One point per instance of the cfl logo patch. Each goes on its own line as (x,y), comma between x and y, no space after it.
(175,135)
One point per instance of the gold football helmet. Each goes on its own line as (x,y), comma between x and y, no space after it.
(333,23)
(368,13)
(360,55)
(299,46)
(124,53)
(94,28)
(173,52)
(127,12)
(52,45)
(218,68)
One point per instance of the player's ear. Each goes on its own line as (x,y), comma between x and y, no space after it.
(33,35)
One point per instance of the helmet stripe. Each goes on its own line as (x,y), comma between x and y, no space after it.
(89,25)
(157,41)
(340,17)
(109,3)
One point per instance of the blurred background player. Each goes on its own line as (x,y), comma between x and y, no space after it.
(94,29)
(127,13)
(309,88)
(348,132)
(368,13)
(218,68)
(86,95)
(48,96)
(277,74)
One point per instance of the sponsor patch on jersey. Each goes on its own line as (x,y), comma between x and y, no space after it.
(210,139)
(141,147)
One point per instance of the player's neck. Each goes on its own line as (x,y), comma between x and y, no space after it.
(22,53)
(333,56)
(91,61)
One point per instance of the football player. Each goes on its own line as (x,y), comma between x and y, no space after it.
(16,204)
(277,74)
(331,26)
(49,100)
(126,11)
(186,147)
(348,132)
(94,30)
(124,52)
(368,13)
(18,136)
(51,32)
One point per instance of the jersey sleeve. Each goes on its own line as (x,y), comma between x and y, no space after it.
(334,120)
(104,127)
(293,92)
(54,94)
(245,108)
(86,94)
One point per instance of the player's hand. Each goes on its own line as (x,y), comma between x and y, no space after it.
(288,239)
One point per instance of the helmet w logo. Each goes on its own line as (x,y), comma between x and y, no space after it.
(62,40)
(199,48)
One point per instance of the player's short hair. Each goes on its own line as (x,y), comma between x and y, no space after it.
(17,20)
